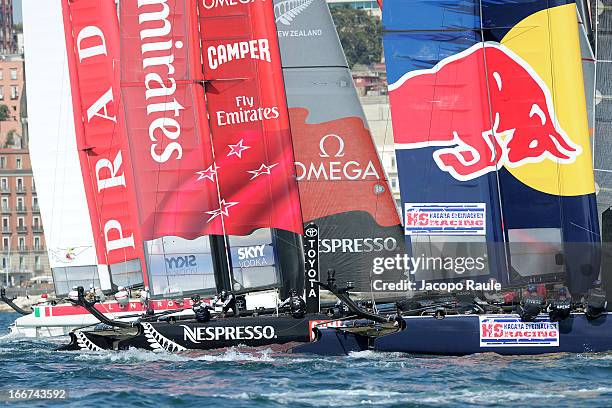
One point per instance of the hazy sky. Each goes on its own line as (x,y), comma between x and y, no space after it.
(17,11)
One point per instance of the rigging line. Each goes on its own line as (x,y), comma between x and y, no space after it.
(556,120)
(57,150)
(595,71)
(98,218)
(76,122)
(432,30)
(108,148)
(428,168)
(255,76)
(98,202)
(135,216)
(124,145)
(162,241)
(585,229)
(276,237)
(518,34)
(212,150)
(494,140)
(297,184)
(381,196)
(394,167)
(388,117)
(103,306)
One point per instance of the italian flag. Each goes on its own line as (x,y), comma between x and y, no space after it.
(43,311)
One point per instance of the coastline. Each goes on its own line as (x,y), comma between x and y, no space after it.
(21,301)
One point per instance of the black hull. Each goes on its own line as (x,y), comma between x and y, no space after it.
(462,335)
(453,335)
(191,335)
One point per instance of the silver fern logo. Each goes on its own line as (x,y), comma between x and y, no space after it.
(158,342)
(286,10)
(84,343)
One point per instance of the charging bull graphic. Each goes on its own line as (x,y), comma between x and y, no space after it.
(506,119)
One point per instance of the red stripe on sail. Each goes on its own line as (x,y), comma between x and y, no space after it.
(92,38)
(168,132)
(248,118)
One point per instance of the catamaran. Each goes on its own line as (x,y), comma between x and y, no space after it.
(84,195)
(491,126)
(492,141)
(187,235)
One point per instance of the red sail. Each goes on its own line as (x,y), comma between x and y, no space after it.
(248,118)
(166,120)
(92,39)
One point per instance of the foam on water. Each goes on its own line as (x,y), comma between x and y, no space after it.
(251,377)
(10,336)
(596,356)
(127,356)
(377,355)
(234,354)
(351,397)
(339,397)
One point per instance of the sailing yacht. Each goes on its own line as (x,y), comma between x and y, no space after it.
(193,166)
(491,125)
(232,140)
(105,231)
(74,248)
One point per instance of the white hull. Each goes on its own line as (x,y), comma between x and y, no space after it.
(32,326)
(39,331)
(59,320)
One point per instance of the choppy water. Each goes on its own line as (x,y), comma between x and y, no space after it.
(262,378)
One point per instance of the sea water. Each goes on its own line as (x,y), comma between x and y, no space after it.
(241,377)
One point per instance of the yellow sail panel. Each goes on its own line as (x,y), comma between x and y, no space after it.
(548,41)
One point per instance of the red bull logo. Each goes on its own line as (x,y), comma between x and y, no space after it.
(484,108)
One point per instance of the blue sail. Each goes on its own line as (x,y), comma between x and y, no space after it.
(489,111)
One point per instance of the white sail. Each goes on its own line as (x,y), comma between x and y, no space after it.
(53,149)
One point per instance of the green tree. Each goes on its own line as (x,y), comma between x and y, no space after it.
(10,139)
(4,112)
(360,35)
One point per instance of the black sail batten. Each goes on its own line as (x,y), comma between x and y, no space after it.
(290,261)
(221,263)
